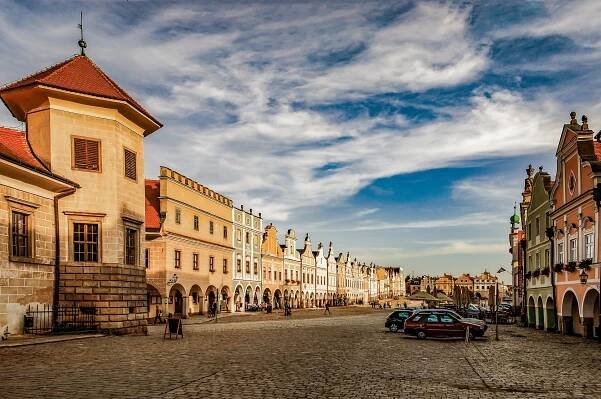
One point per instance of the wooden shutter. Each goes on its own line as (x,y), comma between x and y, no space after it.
(86,154)
(130,164)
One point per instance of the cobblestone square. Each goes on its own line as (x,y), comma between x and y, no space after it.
(348,356)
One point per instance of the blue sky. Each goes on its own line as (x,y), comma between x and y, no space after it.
(398,130)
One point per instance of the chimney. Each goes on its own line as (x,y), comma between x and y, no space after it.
(251,211)
(241,207)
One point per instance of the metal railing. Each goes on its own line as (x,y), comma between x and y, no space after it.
(39,320)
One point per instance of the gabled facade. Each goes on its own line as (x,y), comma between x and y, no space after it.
(332,280)
(247,270)
(307,261)
(321,276)
(273,268)
(292,271)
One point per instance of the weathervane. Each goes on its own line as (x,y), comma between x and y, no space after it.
(82,43)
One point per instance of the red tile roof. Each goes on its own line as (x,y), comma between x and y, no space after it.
(152,189)
(81,75)
(14,145)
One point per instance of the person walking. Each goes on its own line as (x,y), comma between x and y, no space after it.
(327,309)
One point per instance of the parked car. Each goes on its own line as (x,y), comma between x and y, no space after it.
(442,324)
(454,314)
(474,311)
(396,320)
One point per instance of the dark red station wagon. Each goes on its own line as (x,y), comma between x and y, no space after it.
(440,324)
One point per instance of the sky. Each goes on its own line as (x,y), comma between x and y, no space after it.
(400,131)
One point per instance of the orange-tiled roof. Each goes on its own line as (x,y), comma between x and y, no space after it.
(152,189)
(79,74)
(14,145)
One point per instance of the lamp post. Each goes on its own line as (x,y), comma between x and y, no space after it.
(501,270)
(583,280)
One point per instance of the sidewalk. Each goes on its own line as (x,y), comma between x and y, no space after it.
(22,340)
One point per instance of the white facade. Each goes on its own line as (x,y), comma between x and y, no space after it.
(321,276)
(331,289)
(292,271)
(308,274)
(247,268)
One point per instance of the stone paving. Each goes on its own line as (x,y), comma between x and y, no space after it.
(339,357)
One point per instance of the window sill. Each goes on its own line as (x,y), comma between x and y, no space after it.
(23,259)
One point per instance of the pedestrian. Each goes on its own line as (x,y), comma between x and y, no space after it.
(158,318)
(327,309)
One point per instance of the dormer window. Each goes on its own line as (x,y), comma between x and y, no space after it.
(86,154)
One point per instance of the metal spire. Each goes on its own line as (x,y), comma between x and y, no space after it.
(82,44)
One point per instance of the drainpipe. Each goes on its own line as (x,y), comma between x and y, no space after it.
(524,245)
(57,254)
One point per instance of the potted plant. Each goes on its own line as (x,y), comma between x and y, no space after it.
(558,267)
(545,271)
(536,273)
(287,281)
(585,264)
(571,266)
(528,274)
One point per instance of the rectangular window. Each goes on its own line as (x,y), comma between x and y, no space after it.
(211,227)
(195,261)
(560,252)
(588,246)
(131,246)
(538,260)
(129,158)
(20,235)
(196,223)
(178,259)
(86,154)
(225,266)
(573,250)
(147,258)
(178,216)
(547,258)
(85,242)
(529,231)
(211,263)
(225,232)
(247,266)
(239,265)
(247,237)
(537,226)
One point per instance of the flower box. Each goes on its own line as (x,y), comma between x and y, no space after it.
(558,267)
(528,274)
(571,267)
(536,273)
(545,271)
(585,264)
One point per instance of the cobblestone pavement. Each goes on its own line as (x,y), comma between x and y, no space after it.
(350,357)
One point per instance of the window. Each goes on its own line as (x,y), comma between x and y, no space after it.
(178,216)
(445,318)
(20,235)
(432,318)
(537,226)
(86,154)
(131,245)
(247,238)
(247,266)
(211,227)
(537,260)
(225,266)
(129,159)
(196,223)
(547,257)
(195,261)
(211,263)
(560,252)
(238,235)
(588,246)
(147,258)
(529,231)
(280,274)
(225,232)
(178,259)
(85,242)
(239,265)
(573,250)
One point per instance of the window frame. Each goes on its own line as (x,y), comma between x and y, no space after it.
(590,245)
(196,223)
(30,234)
(73,165)
(212,264)
(225,266)
(136,248)
(135,154)
(177,259)
(195,262)
(573,254)
(86,224)
(211,227)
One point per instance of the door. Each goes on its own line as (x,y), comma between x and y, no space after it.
(179,303)
(451,327)
(434,327)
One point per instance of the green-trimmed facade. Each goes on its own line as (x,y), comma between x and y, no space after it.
(539,288)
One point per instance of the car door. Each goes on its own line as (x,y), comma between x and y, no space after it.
(433,326)
(452,327)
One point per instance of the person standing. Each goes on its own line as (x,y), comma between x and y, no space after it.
(327,309)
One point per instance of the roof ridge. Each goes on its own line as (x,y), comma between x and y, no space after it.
(58,66)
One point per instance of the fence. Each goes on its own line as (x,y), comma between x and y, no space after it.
(39,319)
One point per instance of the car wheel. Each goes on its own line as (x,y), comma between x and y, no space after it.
(394,327)
(421,335)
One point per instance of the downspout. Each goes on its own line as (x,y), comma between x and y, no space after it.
(57,254)
(524,245)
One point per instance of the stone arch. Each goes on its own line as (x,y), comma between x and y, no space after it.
(177,299)
(267,296)
(226,298)
(312,300)
(590,312)
(248,296)
(238,298)
(154,300)
(277,299)
(195,304)
(212,295)
(570,314)
(296,299)
(540,314)
(531,312)
(257,296)
(551,318)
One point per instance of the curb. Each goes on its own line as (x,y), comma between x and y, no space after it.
(35,341)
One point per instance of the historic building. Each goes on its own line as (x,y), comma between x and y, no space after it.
(427,284)
(445,284)
(517,246)
(342,262)
(307,261)
(332,276)
(466,281)
(188,246)
(73,197)
(575,221)
(482,284)
(292,271)
(321,276)
(273,268)
(247,271)
(539,279)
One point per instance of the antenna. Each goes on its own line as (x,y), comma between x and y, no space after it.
(82,44)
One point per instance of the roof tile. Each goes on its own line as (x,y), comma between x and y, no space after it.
(152,189)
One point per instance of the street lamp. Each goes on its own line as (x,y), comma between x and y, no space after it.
(583,280)
(501,270)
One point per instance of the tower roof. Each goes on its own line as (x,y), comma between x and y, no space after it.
(80,75)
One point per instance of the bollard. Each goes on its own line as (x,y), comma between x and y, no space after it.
(467,335)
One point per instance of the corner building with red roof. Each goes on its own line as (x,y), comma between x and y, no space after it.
(72,203)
